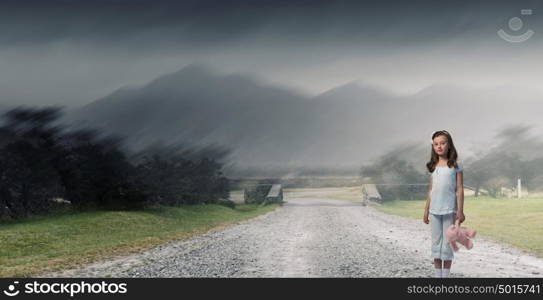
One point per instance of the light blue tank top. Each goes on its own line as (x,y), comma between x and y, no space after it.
(443,195)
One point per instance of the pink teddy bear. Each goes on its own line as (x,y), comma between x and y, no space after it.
(462,235)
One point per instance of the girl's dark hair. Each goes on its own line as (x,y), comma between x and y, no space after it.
(452,155)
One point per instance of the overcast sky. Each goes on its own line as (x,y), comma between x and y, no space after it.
(73,52)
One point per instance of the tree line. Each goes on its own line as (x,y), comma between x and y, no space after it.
(45,164)
(488,172)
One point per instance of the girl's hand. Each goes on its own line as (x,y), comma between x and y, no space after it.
(425,218)
(460,216)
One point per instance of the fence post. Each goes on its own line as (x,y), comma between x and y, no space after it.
(519,188)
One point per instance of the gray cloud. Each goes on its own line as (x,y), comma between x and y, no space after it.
(73,52)
(200,24)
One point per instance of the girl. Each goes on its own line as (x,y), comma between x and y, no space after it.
(445,202)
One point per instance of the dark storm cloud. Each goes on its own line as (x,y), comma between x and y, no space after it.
(200,24)
(73,52)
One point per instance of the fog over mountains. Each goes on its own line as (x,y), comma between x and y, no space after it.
(276,127)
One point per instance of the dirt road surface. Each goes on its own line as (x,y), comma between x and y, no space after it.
(317,233)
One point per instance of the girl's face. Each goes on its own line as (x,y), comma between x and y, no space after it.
(441,145)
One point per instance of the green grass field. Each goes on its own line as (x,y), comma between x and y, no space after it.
(52,243)
(518,222)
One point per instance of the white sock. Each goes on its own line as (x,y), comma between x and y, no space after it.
(438,273)
(446,273)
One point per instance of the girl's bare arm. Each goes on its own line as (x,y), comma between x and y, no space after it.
(460,196)
(428,199)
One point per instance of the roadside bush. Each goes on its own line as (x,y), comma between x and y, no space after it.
(175,180)
(44,166)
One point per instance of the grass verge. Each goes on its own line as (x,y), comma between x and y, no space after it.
(54,243)
(518,222)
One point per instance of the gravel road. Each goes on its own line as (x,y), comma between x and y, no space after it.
(315,235)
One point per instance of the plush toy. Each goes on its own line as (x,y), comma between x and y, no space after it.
(462,235)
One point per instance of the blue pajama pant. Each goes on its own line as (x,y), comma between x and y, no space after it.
(440,245)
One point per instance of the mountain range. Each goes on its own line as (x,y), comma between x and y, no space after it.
(276,128)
